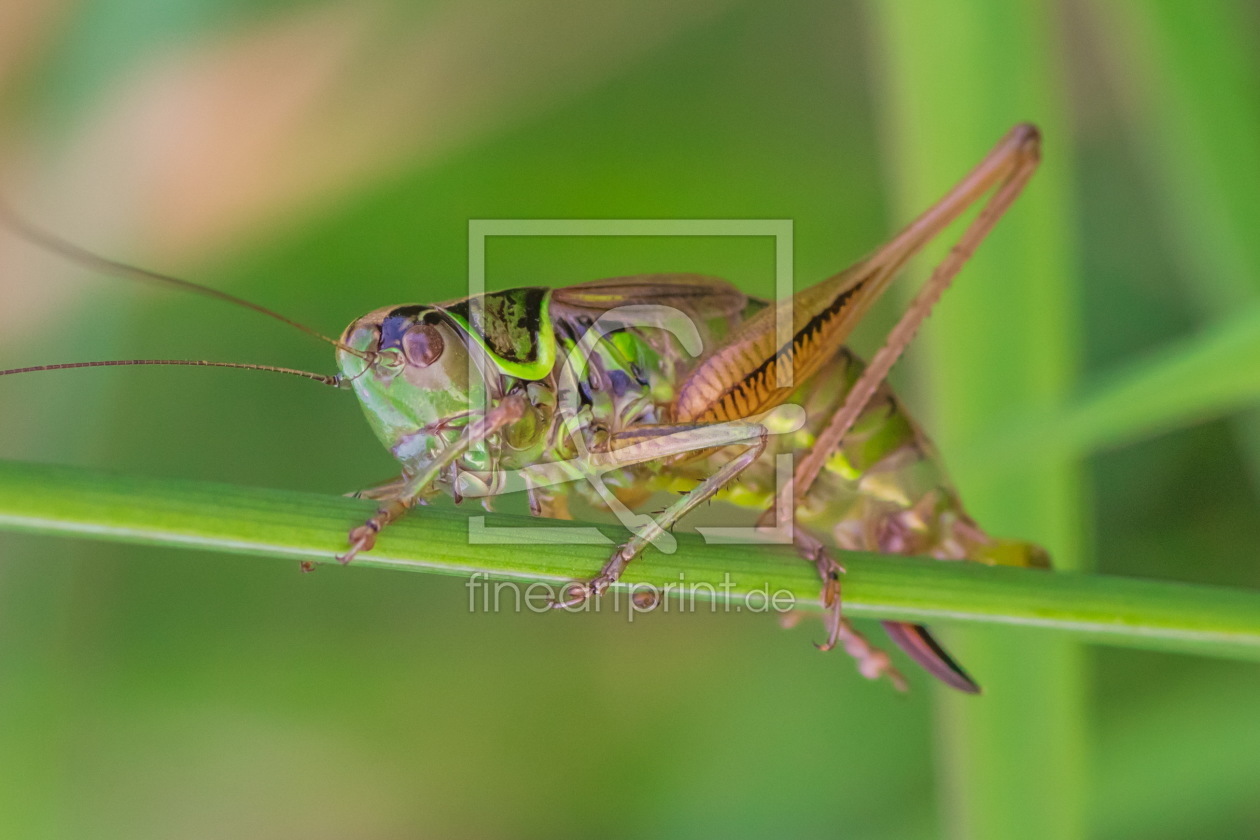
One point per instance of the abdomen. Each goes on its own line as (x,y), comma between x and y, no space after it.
(884,489)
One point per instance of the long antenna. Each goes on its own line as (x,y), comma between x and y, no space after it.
(334,381)
(51,242)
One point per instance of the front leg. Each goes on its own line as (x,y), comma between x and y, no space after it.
(410,489)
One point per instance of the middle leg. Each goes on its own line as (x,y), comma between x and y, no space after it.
(672,441)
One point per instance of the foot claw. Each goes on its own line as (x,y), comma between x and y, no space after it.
(579,592)
(829,570)
(872,662)
(572,595)
(362,538)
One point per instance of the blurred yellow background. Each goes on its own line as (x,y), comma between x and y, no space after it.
(324,158)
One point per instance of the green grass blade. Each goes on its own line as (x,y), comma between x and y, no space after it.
(1175,64)
(1164,57)
(1210,375)
(48,499)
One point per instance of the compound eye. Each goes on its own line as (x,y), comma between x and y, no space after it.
(422,344)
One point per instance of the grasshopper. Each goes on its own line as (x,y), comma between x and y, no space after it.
(677,383)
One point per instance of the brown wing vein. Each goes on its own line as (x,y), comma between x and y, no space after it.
(757,390)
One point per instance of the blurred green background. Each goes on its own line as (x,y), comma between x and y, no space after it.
(324,158)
